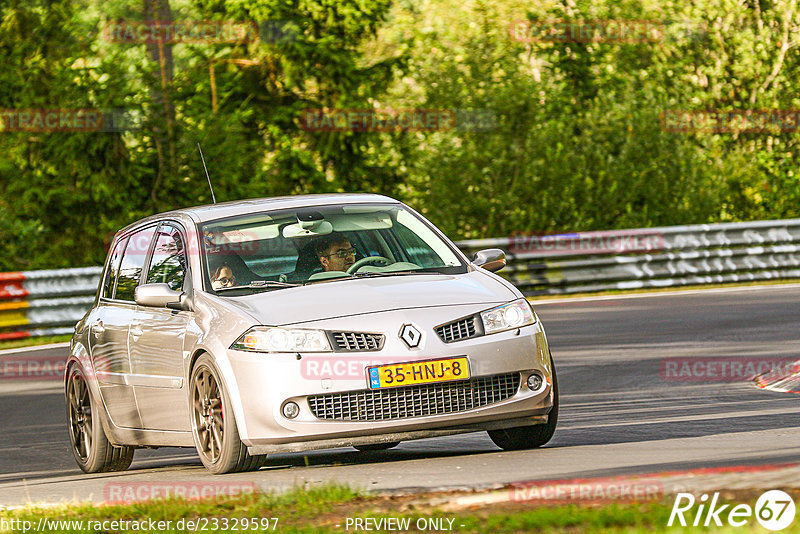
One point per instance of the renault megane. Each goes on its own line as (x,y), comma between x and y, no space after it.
(298,323)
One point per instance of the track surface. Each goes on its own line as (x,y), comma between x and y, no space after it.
(620,414)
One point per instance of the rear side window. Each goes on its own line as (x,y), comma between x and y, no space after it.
(168,265)
(113,270)
(130,270)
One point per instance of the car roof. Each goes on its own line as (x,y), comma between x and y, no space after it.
(222,210)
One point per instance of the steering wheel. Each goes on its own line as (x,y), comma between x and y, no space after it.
(368,261)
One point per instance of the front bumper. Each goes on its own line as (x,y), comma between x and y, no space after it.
(393,437)
(264,382)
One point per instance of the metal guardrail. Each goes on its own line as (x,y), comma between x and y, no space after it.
(649,258)
(37,303)
(45,303)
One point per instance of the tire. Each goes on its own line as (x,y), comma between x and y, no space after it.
(216,436)
(377,446)
(530,437)
(89,443)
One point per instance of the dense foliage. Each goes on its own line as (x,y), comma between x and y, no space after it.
(548,134)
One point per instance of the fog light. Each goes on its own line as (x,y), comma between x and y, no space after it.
(534,382)
(291,410)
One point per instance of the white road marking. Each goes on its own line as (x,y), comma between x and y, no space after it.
(33,348)
(677,292)
(679,419)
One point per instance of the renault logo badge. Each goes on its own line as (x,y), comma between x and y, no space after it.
(410,335)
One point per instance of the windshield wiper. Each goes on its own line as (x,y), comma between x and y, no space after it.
(393,273)
(259,284)
(369,274)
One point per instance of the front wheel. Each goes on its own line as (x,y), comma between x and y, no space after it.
(90,446)
(529,437)
(213,424)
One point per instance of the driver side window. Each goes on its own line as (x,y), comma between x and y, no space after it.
(168,264)
(130,270)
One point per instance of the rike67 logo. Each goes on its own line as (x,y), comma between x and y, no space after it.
(774,510)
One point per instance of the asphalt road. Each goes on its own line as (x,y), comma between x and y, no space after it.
(628,407)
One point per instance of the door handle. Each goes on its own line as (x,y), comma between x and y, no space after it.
(98,328)
(136,331)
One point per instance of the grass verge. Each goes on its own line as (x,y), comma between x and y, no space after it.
(335,509)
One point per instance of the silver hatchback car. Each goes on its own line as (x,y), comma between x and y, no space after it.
(299,323)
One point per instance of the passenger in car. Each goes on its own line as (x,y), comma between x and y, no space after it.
(223,277)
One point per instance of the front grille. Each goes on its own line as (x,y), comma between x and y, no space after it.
(357,341)
(414,401)
(457,330)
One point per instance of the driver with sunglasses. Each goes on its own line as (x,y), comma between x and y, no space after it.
(335,253)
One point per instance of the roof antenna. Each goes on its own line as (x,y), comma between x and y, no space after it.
(207,176)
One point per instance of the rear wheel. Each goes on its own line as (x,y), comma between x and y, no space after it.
(90,446)
(377,446)
(213,424)
(530,437)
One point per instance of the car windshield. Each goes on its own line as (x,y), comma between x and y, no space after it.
(282,249)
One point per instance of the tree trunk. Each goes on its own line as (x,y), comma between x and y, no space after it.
(158,13)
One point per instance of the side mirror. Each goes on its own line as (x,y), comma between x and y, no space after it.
(160,296)
(491,259)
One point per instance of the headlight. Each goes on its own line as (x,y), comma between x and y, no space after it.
(273,339)
(512,315)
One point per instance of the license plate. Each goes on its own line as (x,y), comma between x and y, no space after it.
(424,372)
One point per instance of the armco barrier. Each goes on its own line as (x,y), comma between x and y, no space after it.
(649,258)
(37,303)
(44,303)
